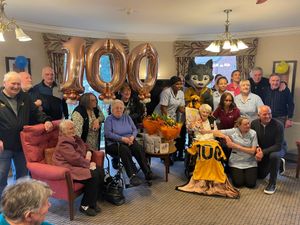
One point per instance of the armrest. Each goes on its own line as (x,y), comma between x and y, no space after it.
(47,171)
(98,158)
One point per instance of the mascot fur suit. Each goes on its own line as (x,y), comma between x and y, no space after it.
(198,77)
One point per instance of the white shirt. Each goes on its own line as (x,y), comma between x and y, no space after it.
(239,159)
(171,101)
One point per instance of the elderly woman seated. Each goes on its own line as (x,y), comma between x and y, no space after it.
(71,152)
(208,176)
(120,133)
(206,121)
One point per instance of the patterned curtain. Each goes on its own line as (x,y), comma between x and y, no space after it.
(244,64)
(182,64)
(57,60)
(54,43)
(245,58)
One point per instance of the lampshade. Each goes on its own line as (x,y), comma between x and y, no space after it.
(21,36)
(7,24)
(226,41)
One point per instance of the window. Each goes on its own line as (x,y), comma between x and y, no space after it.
(221,65)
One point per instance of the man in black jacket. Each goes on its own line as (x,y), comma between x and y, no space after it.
(16,108)
(270,138)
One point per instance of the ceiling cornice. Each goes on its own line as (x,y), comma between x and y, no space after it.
(152,37)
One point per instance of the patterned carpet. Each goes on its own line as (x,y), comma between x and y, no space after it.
(161,204)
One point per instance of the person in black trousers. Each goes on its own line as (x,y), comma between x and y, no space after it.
(270,135)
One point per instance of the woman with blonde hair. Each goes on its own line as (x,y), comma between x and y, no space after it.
(242,162)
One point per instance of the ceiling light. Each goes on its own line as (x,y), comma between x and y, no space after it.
(226,41)
(7,24)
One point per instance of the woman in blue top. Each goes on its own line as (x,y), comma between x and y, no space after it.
(119,129)
(242,162)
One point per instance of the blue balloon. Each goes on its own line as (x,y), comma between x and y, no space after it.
(21,62)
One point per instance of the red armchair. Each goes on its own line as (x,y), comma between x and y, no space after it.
(36,142)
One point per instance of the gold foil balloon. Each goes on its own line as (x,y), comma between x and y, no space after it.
(133,66)
(118,62)
(72,83)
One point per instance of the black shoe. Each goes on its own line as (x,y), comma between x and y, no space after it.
(87,210)
(270,189)
(115,163)
(149,175)
(135,181)
(96,208)
(282,166)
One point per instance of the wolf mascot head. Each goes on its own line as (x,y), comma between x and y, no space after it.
(198,77)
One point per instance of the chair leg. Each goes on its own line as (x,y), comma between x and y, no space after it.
(71,208)
(298,162)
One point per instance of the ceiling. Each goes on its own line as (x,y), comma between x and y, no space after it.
(156,19)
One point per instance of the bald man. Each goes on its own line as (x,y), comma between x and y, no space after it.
(270,135)
(53,104)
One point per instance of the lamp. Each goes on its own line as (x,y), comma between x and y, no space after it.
(7,24)
(227,41)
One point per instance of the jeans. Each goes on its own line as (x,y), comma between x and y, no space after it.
(18,162)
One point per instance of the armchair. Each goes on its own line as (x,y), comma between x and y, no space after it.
(36,144)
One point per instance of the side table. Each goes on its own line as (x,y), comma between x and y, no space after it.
(163,156)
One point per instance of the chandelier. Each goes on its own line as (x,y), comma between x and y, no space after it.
(7,24)
(226,40)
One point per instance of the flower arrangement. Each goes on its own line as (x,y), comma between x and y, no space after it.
(164,126)
(195,102)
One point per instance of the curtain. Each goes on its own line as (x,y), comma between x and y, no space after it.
(53,45)
(190,49)
(182,64)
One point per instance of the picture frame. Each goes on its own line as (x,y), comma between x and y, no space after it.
(10,65)
(290,76)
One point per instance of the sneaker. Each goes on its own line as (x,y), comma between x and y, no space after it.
(135,181)
(270,189)
(87,210)
(282,166)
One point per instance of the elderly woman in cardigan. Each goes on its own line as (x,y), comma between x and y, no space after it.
(120,136)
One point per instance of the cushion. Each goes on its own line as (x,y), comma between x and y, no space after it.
(48,155)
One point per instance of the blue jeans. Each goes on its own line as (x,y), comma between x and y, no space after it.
(18,162)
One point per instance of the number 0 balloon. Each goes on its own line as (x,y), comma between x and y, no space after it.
(133,67)
(118,59)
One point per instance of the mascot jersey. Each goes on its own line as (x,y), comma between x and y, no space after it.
(208,164)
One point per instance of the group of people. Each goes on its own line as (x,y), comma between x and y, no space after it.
(254,146)
(244,110)
(24,104)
